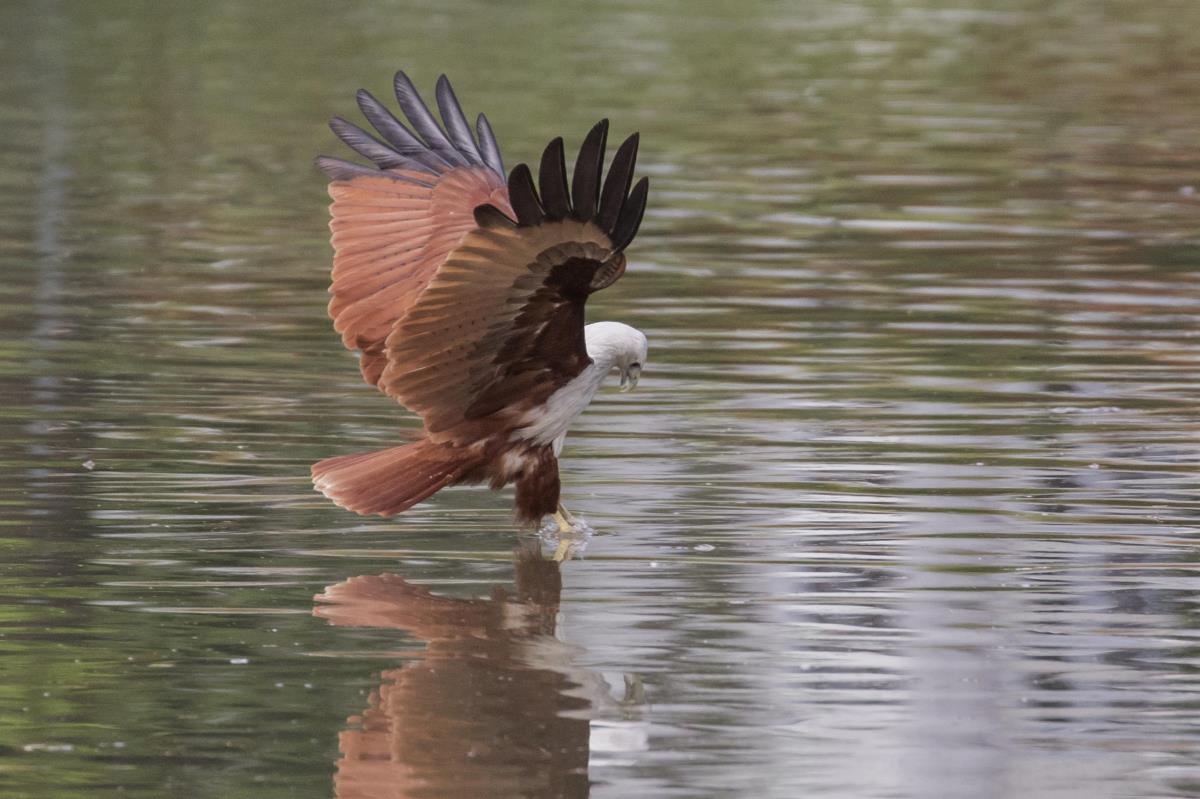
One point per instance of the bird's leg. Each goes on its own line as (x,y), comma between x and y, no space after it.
(564,519)
(566,524)
(572,536)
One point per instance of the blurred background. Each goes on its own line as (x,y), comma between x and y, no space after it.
(905,504)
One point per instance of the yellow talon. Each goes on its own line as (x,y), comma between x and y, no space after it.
(564,519)
(568,529)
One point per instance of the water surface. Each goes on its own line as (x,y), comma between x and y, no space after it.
(905,504)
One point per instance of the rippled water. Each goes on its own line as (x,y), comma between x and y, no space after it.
(904,506)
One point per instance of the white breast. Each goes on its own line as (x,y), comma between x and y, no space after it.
(607,344)
(548,424)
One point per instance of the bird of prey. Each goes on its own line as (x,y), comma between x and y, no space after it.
(464,293)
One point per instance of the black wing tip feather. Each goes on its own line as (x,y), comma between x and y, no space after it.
(523,197)
(617,183)
(487,144)
(552,181)
(489,216)
(612,205)
(455,121)
(366,145)
(339,169)
(434,148)
(630,218)
(589,168)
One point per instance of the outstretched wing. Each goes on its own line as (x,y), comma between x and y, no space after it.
(499,328)
(394,223)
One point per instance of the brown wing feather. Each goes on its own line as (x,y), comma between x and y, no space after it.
(394,226)
(501,321)
(499,327)
(545,342)
(389,238)
(459,311)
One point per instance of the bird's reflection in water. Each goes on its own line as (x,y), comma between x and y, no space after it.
(493,707)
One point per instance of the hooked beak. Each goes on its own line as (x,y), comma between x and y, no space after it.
(629,378)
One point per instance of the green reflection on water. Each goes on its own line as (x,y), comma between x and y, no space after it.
(920,285)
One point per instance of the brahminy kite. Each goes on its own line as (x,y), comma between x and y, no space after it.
(464,293)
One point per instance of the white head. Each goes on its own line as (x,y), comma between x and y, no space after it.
(613,345)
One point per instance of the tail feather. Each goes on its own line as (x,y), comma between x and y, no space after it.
(388,481)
